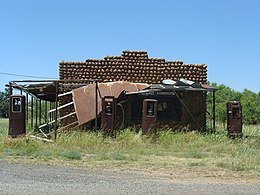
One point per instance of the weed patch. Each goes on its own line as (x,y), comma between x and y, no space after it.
(233,165)
(115,155)
(195,154)
(196,164)
(43,154)
(72,154)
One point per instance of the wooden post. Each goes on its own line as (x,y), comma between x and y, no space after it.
(46,112)
(27,108)
(32,113)
(36,113)
(214,111)
(56,110)
(96,97)
(40,112)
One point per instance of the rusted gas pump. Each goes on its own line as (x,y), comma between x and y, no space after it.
(108,115)
(234,119)
(149,117)
(17,117)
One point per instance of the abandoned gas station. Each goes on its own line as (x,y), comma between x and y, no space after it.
(114,93)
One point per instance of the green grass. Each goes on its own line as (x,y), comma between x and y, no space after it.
(3,126)
(72,154)
(172,150)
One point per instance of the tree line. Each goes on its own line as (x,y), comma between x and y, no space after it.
(250,103)
(4,104)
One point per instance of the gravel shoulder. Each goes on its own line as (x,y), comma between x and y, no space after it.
(33,178)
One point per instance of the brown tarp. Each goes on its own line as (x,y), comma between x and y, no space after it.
(85,101)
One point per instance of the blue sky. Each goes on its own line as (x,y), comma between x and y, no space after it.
(224,34)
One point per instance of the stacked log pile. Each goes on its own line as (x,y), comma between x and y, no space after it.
(132,66)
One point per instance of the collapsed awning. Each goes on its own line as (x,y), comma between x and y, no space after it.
(46,89)
(84,98)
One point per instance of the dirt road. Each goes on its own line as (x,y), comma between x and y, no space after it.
(18,178)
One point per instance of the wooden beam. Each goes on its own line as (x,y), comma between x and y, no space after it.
(63,117)
(63,106)
(64,94)
(41,126)
(74,123)
(70,114)
(43,139)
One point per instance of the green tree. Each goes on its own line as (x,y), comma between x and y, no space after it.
(251,107)
(224,94)
(4,101)
(250,103)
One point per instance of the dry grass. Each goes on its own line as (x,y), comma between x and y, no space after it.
(192,152)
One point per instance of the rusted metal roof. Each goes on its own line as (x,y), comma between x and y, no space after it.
(170,86)
(208,87)
(43,91)
(46,89)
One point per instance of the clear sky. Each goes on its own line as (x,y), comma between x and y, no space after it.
(224,34)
